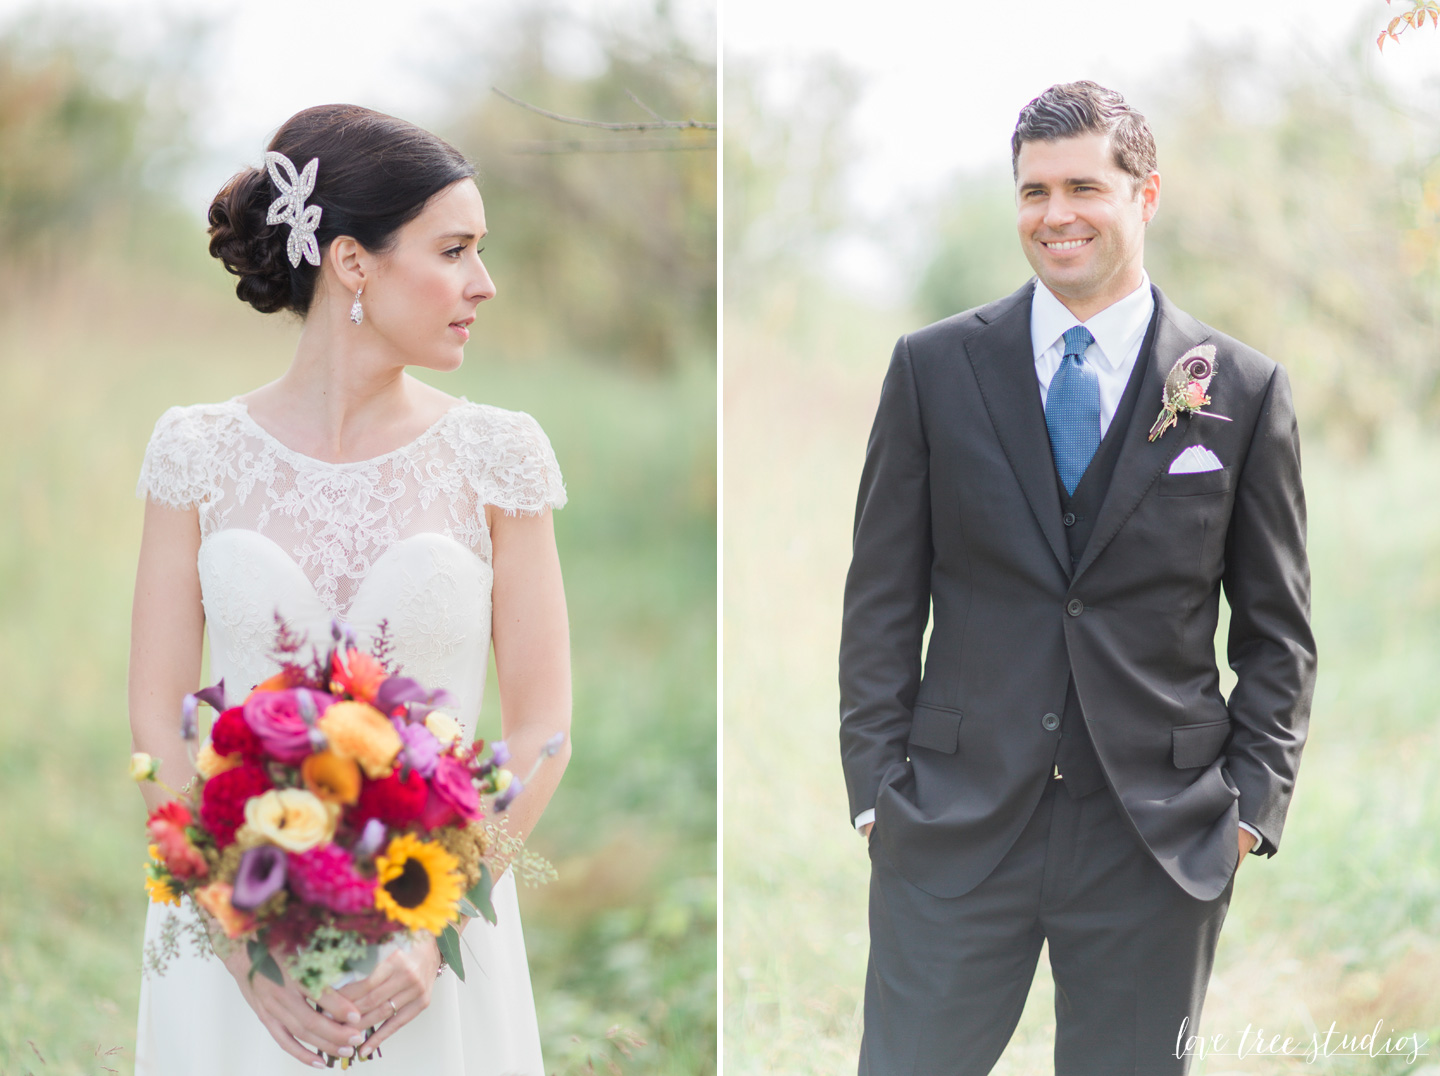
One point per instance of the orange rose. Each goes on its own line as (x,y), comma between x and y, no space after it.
(215,899)
(363,733)
(359,675)
(331,777)
(281,681)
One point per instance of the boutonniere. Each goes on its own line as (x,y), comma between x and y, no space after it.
(1185,389)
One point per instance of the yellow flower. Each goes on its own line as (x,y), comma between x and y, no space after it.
(292,818)
(143,767)
(356,730)
(443,727)
(332,778)
(157,884)
(417,884)
(160,892)
(211,763)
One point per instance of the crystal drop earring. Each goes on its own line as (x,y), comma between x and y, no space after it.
(357,312)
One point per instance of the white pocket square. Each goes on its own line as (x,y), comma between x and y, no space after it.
(1194,460)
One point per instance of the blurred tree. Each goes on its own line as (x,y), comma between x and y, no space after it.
(610,254)
(1290,218)
(787,149)
(977,255)
(82,131)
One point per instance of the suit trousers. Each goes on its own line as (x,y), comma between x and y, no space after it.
(1130,953)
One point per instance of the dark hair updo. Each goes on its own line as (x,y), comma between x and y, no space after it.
(376,173)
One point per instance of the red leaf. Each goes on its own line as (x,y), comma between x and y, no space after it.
(1380,41)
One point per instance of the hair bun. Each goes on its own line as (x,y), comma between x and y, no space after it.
(247,246)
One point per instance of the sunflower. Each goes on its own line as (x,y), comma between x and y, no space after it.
(418,886)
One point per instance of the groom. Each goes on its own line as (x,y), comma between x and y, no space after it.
(1063,768)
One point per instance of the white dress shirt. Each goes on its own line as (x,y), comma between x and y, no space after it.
(1119,330)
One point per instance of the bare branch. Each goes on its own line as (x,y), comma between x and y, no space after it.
(646,108)
(669,125)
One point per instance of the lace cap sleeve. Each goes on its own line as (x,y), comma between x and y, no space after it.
(510,462)
(176,469)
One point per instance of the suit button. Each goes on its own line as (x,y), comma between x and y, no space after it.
(1051,722)
(1075,607)
(1069,519)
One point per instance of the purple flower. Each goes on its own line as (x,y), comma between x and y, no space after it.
(507,797)
(421,748)
(189,729)
(499,753)
(372,838)
(403,691)
(552,745)
(260,876)
(189,710)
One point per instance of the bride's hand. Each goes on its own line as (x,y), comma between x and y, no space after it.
(286,1013)
(396,992)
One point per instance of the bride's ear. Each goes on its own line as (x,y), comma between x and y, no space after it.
(348,260)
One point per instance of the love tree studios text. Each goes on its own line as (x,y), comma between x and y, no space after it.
(1255,1041)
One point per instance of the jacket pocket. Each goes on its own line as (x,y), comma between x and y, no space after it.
(1192,485)
(1199,745)
(936,728)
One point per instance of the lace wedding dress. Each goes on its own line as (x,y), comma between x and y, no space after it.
(400,538)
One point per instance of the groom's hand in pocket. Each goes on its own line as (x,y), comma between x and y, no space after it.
(865,830)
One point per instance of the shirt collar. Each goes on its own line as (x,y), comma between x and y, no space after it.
(1117,329)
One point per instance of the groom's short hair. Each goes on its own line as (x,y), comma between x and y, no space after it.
(1076,108)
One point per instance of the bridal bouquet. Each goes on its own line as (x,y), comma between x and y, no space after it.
(337,811)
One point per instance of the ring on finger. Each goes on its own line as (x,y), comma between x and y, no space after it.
(393,1010)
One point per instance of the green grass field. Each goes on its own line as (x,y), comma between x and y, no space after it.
(625,940)
(1343,925)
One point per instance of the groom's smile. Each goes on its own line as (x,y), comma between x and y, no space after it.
(1081,220)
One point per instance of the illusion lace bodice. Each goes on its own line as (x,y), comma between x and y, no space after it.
(399,539)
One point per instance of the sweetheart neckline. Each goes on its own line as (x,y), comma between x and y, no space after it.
(483,564)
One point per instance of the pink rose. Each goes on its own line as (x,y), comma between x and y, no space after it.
(1194,394)
(452,793)
(274,717)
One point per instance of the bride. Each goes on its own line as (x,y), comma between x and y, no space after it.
(347,489)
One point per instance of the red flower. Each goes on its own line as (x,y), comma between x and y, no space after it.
(363,677)
(172,812)
(396,803)
(222,803)
(167,829)
(438,811)
(231,736)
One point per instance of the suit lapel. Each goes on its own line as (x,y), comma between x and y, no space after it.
(1141,460)
(1002,356)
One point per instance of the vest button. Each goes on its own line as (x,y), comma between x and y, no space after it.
(1075,607)
(1069,519)
(1051,722)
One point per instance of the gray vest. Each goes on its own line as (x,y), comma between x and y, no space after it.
(1075,754)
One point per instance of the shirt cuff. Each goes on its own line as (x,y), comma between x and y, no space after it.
(1259,840)
(865,817)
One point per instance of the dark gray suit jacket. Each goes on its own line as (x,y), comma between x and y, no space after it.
(959,512)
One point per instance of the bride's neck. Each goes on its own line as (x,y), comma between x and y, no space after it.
(344,395)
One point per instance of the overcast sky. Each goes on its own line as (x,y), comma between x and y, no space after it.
(943,82)
(265,62)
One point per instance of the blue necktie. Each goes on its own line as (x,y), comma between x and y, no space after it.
(1072,409)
